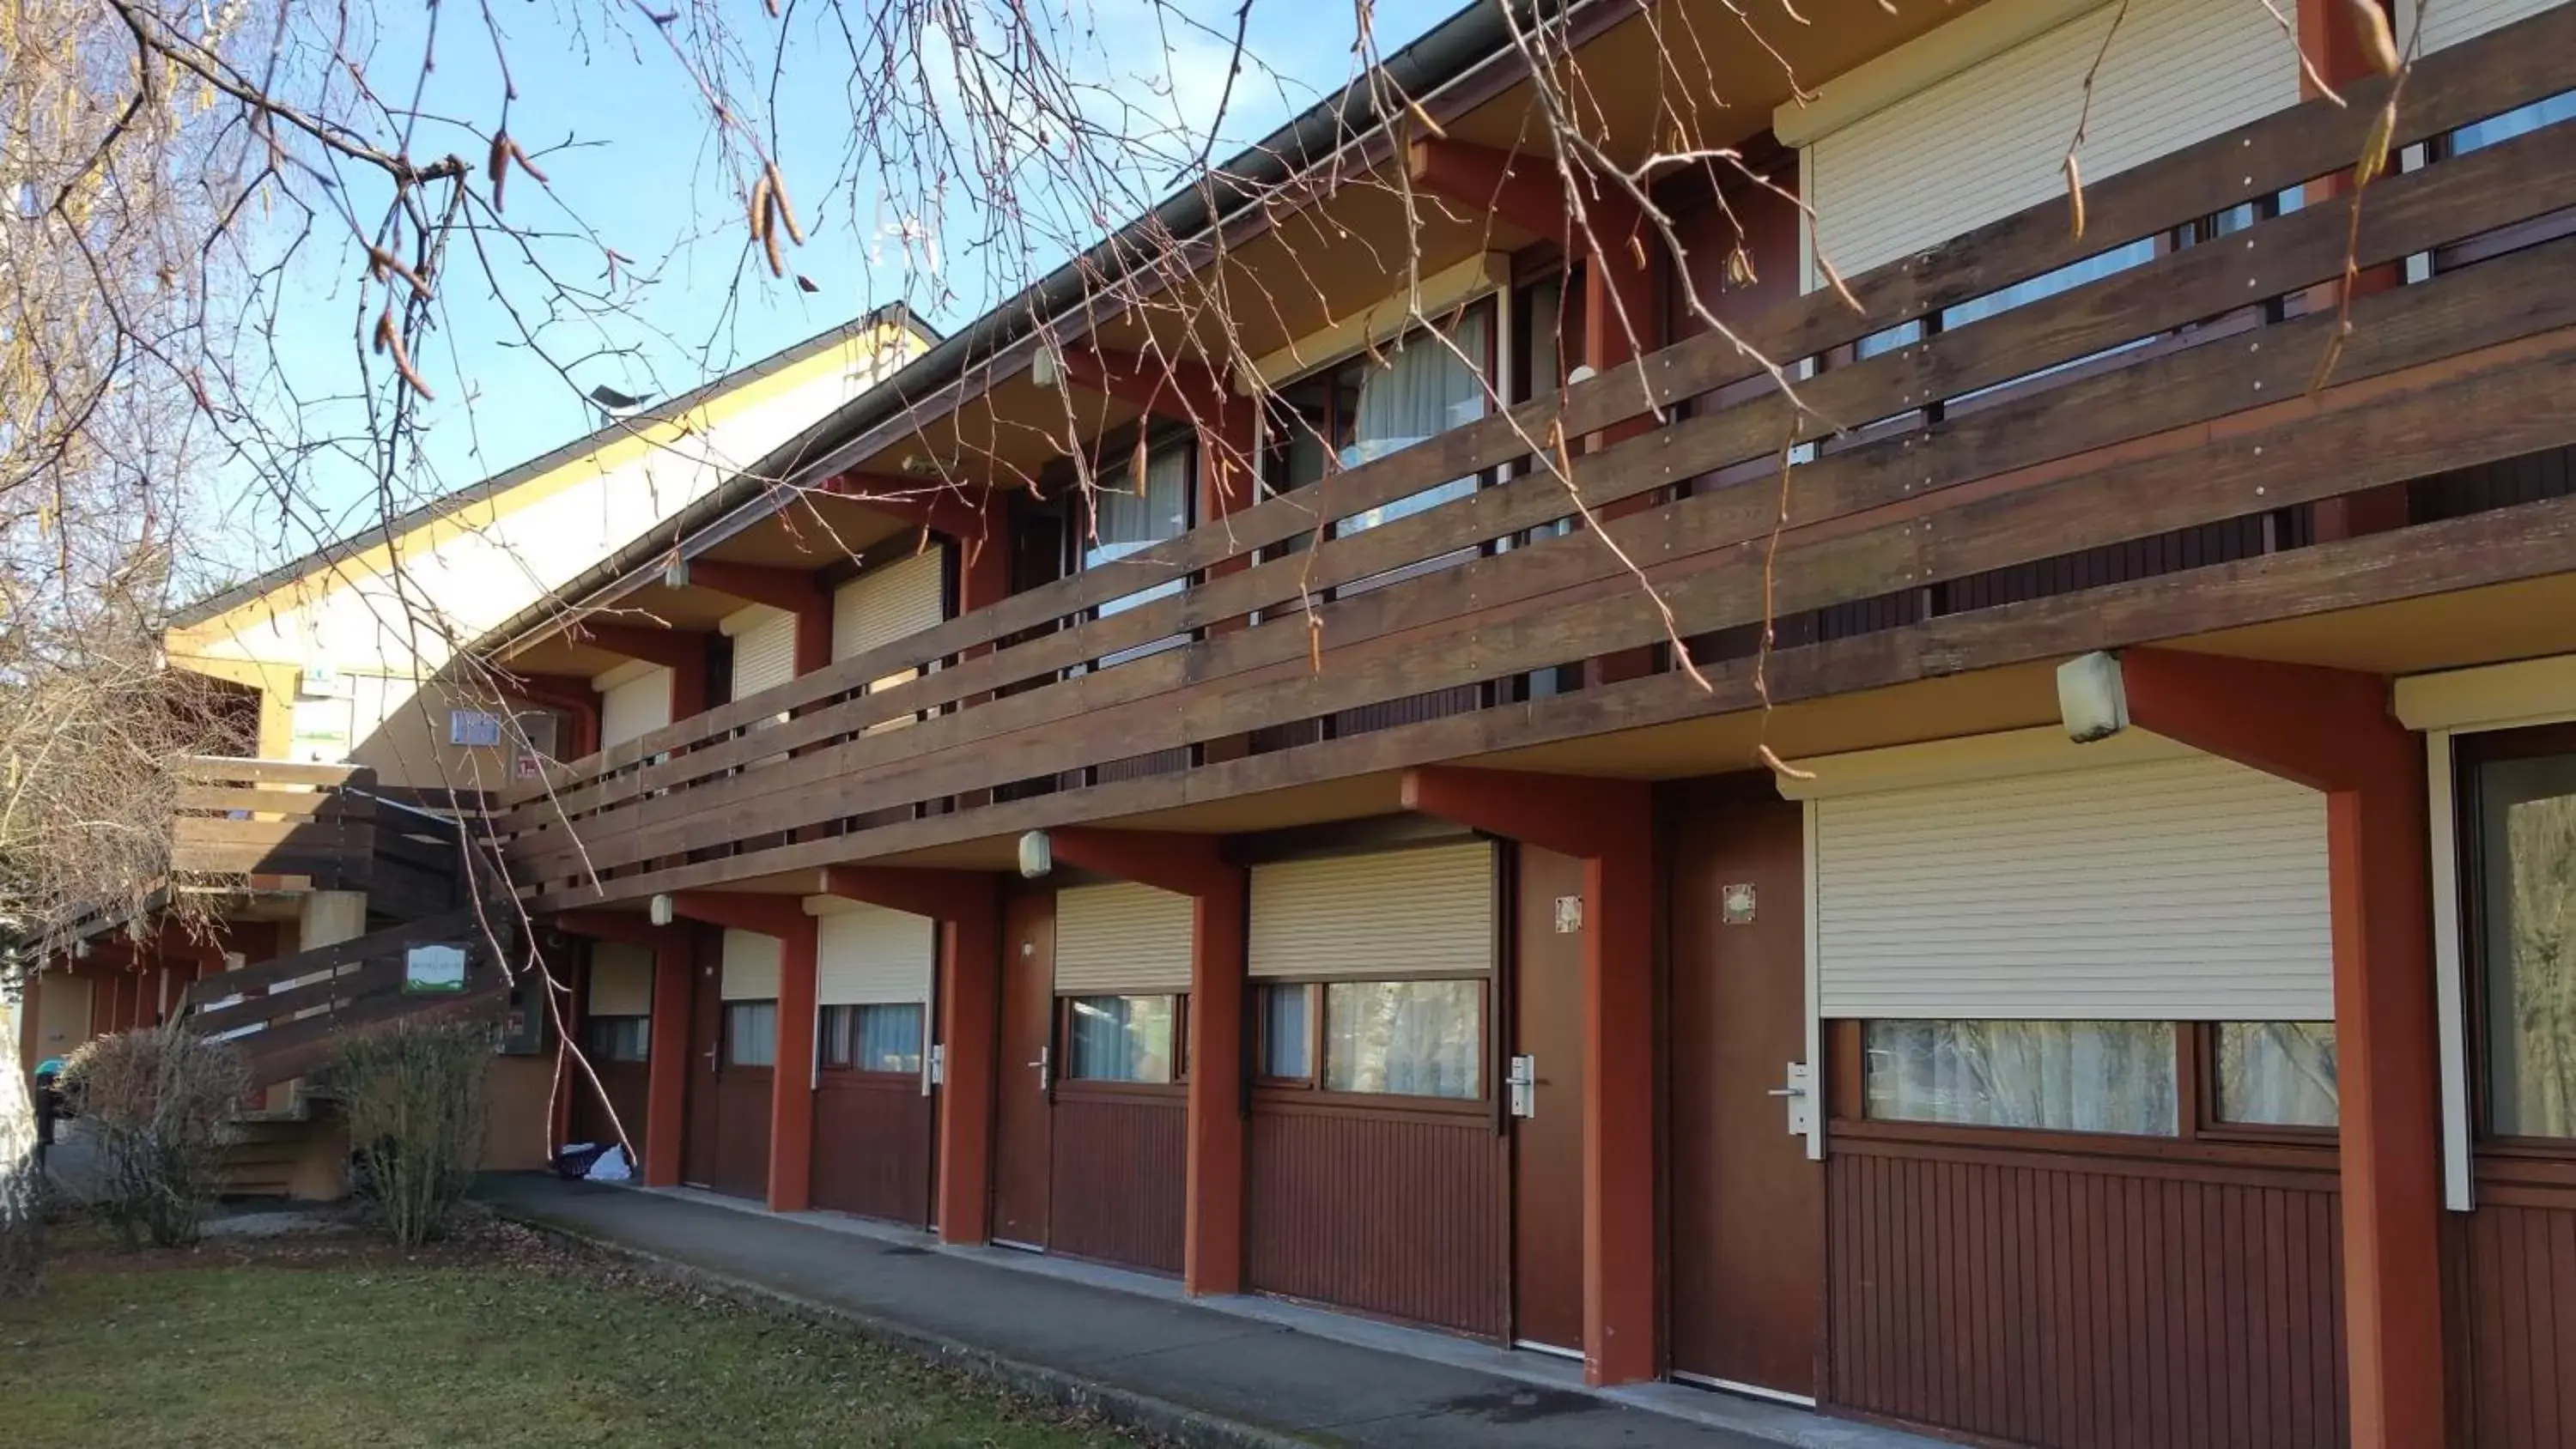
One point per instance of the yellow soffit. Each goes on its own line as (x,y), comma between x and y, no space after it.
(2494,696)
(482,513)
(2041,751)
(1922,63)
(1443,290)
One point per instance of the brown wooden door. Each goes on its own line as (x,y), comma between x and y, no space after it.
(1747,1231)
(1023,1116)
(706,1025)
(1547,1156)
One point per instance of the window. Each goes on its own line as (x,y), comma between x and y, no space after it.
(751,1033)
(1128,519)
(873,1038)
(1287,1048)
(2068,1076)
(1425,384)
(618,1038)
(2276,1073)
(1119,1038)
(2526,858)
(1408,1038)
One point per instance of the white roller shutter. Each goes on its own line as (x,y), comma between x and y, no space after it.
(889,602)
(2189,888)
(1991,140)
(2450,22)
(1392,913)
(635,708)
(764,649)
(750,967)
(868,955)
(621,979)
(1113,939)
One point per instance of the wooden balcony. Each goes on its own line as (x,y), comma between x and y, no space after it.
(2141,456)
(319,827)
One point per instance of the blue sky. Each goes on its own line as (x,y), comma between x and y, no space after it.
(619,130)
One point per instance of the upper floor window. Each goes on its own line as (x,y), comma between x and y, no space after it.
(1372,406)
(1129,515)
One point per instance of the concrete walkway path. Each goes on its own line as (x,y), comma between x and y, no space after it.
(1232,1371)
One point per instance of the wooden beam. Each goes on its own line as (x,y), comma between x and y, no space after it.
(2331,730)
(781,588)
(624,927)
(943,895)
(782,917)
(674,649)
(1186,865)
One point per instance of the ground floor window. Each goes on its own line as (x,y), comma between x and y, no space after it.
(1121,1038)
(2276,1073)
(2525,853)
(751,1033)
(1407,1038)
(618,1038)
(878,1037)
(2068,1076)
(1287,1033)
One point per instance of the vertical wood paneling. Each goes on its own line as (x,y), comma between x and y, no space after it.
(1119,1175)
(2511,1267)
(741,1147)
(872,1147)
(625,1086)
(1399,1215)
(2056,1301)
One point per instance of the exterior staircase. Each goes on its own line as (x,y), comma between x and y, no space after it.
(447,902)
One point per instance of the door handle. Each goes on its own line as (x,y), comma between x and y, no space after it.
(1045,1065)
(1786,1092)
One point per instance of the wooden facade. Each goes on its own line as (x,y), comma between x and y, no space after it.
(2157,454)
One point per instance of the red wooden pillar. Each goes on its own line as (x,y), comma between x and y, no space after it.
(1609,825)
(791,1077)
(1195,866)
(967,905)
(666,1070)
(2331,731)
(666,1065)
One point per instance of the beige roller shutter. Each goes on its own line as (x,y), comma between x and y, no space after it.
(867,955)
(764,649)
(889,602)
(1392,913)
(621,979)
(1112,939)
(1990,140)
(750,967)
(635,708)
(2186,888)
(2448,22)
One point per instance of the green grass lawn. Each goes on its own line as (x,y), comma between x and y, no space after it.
(358,1352)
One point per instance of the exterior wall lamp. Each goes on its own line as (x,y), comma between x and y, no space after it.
(2092,700)
(1037,854)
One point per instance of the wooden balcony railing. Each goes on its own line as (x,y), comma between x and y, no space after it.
(1980,447)
(323,824)
(288,1015)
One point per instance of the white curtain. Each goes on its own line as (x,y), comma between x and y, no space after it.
(1409,1038)
(1427,387)
(2277,1073)
(1127,519)
(2069,1076)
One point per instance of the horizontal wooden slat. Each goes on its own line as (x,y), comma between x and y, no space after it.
(2407,215)
(222,769)
(459,925)
(2529,541)
(2293,146)
(1567,598)
(298,802)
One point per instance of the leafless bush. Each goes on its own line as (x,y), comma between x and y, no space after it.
(161,1103)
(414,1095)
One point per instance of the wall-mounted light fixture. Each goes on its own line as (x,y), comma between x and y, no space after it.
(675,574)
(2092,701)
(1037,854)
(660,911)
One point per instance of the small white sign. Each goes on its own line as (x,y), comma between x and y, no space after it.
(473,727)
(1569,915)
(432,970)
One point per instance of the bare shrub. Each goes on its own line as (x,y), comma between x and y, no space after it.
(161,1102)
(414,1095)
